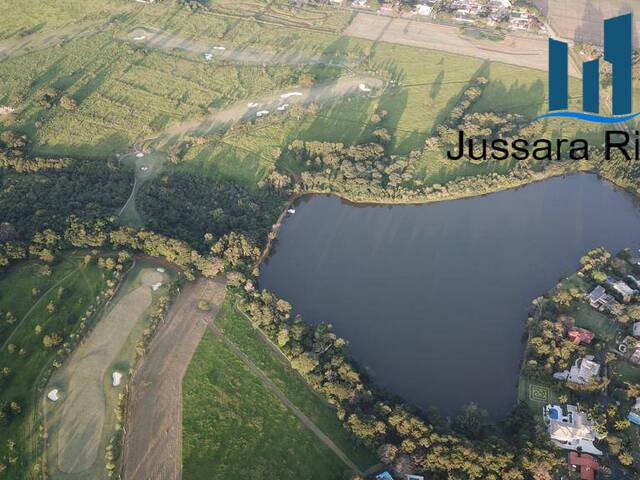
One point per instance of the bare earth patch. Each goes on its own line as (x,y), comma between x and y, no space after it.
(513,50)
(153,440)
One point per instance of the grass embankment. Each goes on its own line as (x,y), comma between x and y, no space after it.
(55,312)
(234,426)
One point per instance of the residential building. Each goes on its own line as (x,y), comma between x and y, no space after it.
(601,300)
(580,335)
(384,476)
(584,371)
(585,464)
(572,431)
(424,10)
(634,414)
(624,291)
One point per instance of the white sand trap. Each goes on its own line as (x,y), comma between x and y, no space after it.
(139,155)
(76,429)
(160,270)
(53,395)
(363,88)
(116,378)
(291,94)
(156,286)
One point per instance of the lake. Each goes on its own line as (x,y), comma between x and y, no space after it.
(433,298)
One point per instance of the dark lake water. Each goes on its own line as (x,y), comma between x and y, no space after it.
(433,298)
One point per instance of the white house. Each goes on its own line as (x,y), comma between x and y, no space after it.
(584,371)
(572,431)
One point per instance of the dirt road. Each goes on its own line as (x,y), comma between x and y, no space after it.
(515,50)
(153,438)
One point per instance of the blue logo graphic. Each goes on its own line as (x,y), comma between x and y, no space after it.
(617,51)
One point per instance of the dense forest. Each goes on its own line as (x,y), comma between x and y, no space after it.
(188,207)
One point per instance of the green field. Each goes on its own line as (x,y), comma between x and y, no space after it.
(233,425)
(79,293)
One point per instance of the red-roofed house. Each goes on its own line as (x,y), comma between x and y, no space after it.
(585,464)
(580,335)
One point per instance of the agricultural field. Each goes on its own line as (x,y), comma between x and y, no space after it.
(49,302)
(81,423)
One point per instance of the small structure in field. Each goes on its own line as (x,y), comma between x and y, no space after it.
(116,378)
(53,395)
(262,113)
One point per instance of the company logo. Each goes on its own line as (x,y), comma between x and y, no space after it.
(617,51)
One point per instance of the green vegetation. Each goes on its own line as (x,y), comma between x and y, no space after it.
(45,334)
(234,427)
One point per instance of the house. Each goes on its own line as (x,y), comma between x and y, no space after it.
(625,292)
(634,414)
(601,300)
(572,431)
(580,335)
(584,371)
(384,476)
(635,356)
(424,10)
(585,464)
(633,281)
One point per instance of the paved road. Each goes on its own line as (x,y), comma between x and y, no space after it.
(273,388)
(153,432)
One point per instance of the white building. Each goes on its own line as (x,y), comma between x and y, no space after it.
(424,10)
(572,431)
(584,371)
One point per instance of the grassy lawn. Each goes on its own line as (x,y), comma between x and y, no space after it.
(626,371)
(80,290)
(233,427)
(535,393)
(21,282)
(598,323)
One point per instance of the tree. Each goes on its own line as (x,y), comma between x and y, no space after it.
(50,341)
(306,80)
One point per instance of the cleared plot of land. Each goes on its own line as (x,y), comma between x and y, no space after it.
(514,50)
(77,420)
(153,443)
